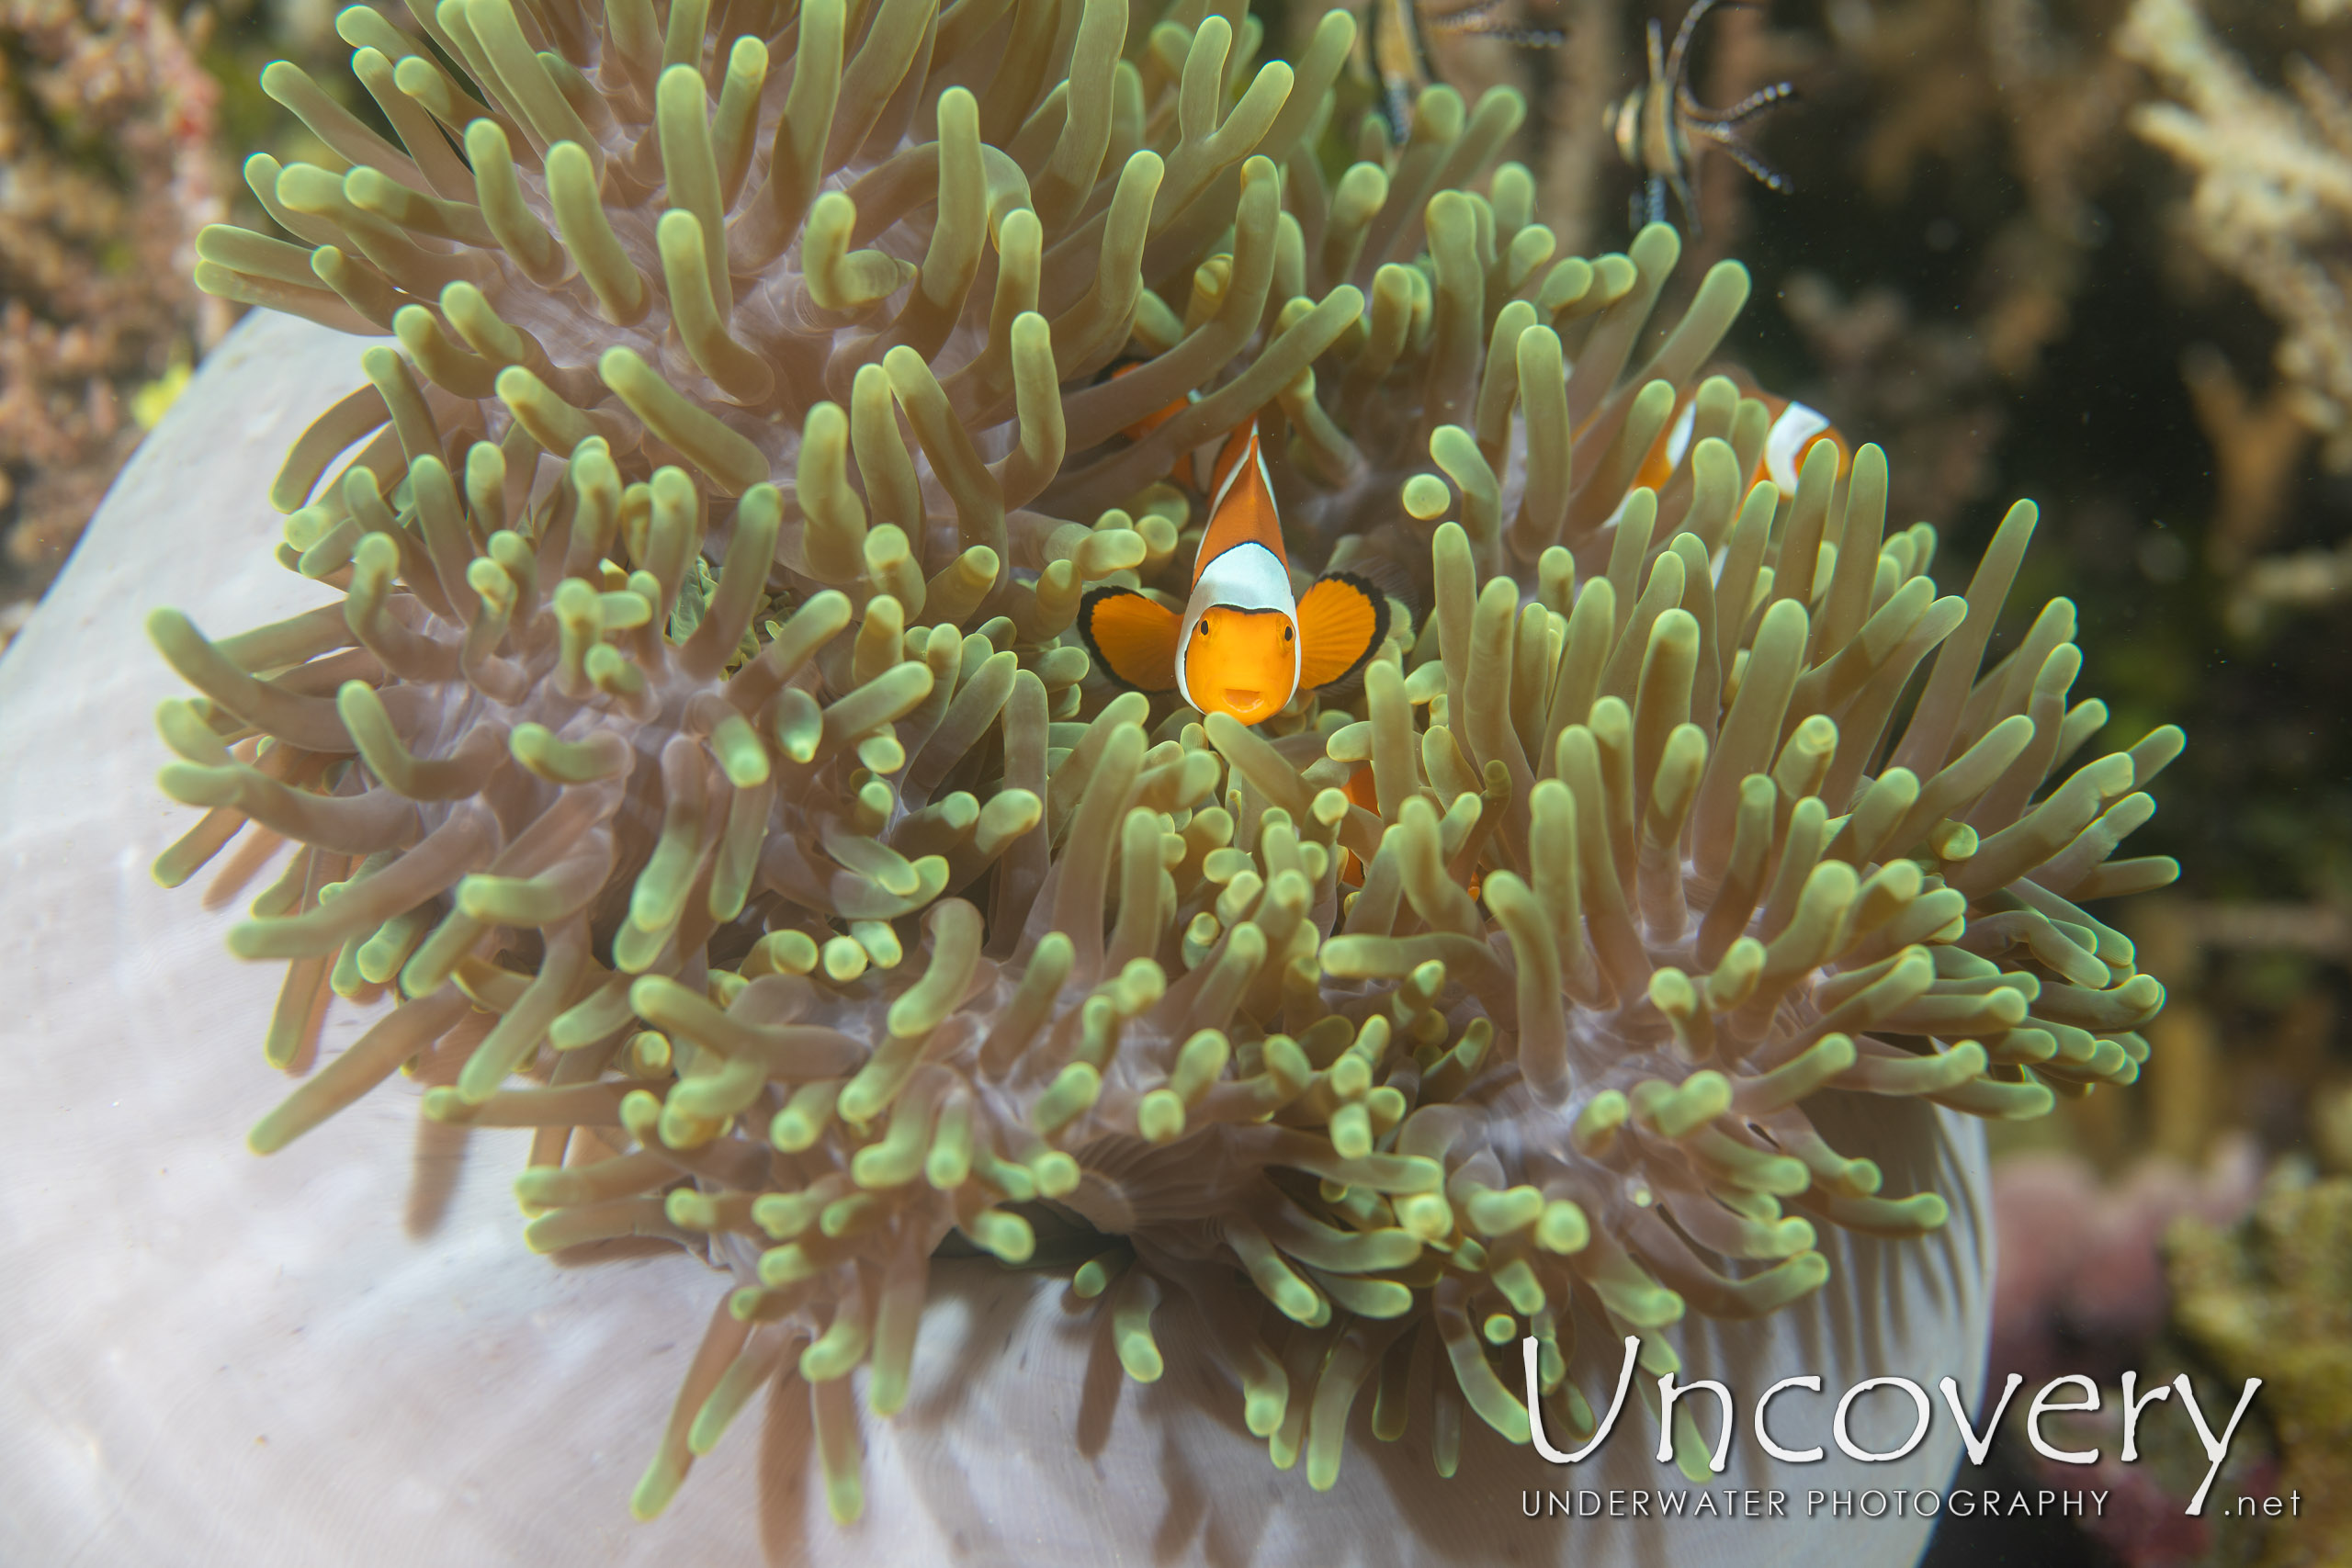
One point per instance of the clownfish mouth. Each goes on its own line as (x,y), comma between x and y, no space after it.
(1241,696)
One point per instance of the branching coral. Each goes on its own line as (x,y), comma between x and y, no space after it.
(1984,136)
(106,124)
(2081,1259)
(2265,1299)
(1951,75)
(1930,393)
(2271,200)
(772,855)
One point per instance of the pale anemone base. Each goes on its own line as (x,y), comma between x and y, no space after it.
(343,1353)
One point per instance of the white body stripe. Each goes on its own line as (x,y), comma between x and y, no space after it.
(1785,442)
(1678,438)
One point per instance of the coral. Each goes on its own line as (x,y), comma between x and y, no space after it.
(773,856)
(105,129)
(1927,390)
(2081,1267)
(2259,451)
(2259,447)
(2271,1299)
(2082,1290)
(2271,199)
(2271,586)
(1948,75)
(1954,166)
(2247,1035)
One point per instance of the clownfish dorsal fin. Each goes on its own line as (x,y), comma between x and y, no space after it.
(1342,620)
(1131,636)
(1243,511)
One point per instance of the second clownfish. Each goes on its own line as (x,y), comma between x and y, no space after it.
(1244,646)
(1794,431)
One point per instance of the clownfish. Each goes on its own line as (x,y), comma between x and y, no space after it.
(1156,417)
(1243,646)
(1794,431)
(1360,791)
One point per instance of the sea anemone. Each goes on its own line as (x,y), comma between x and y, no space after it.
(773,856)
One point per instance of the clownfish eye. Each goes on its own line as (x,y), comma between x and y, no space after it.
(1285,634)
(1200,629)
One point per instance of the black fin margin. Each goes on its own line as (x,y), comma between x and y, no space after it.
(1373,592)
(1085,623)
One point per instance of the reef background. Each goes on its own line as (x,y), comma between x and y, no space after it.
(2095,254)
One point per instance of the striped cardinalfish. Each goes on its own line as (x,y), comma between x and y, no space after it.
(1392,45)
(1243,646)
(1654,124)
(1796,429)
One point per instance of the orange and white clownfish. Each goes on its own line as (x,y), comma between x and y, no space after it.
(1243,646)
(1794,431)
(1186,465)
(1156,417)
(1360,791)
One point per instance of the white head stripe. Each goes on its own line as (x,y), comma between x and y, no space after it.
(1785,442)
(1247,577)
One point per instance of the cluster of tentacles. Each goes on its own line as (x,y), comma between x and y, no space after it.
(698,758)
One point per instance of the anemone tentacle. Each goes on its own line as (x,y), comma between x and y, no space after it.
(702,758)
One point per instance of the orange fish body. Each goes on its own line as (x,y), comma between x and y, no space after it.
(1794,431)
(1244,645)
(1156,417)
(1360,791)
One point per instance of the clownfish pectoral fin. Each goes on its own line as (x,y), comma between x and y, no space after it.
(1132,637)
(1341,619)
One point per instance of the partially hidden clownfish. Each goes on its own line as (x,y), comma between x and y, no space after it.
(1156,417)
(1243,645)
(1360,791)
(1186,465)
(1794,431)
